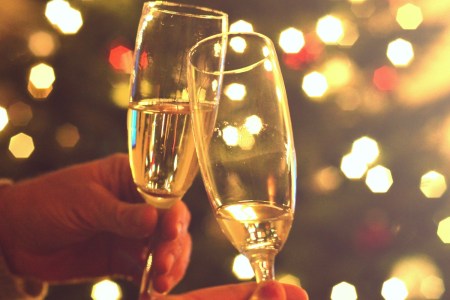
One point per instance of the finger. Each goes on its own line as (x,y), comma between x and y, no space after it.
(224,292)
(295,293)
(114,173)
(172,260)
(99,210)
(269,290)
(175,221)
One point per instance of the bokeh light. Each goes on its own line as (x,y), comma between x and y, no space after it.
(394,289)
(242,268)
(421,276)
(400,52)
(379,179)
(3,118)
(353,166)
(253,124)
(339,72)
(315,85)
(366,149)
(238,44)
(344,291)
(409,16)
(327,179)
(121,58)
(235,91)
(385,78)
(65,18)
(42,76)
(241,26)
(291,40)
(21,145)
(443,230)
(289,279)
(42,44)
(20,113)
(106,290)
(330,29)
(67,135)
(433,184)
(230,135)
(120,93)
(41,79)
(246,141)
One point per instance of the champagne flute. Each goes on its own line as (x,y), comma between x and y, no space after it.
(244,142)
(160,141)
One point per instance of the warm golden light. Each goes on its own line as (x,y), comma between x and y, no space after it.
(353,166)
(106,290)
(67,136)
(421,276)
(400,52)
(315,84)
(394,289)
(246,139)
(41,44)
(21,145)
(433,184)
(344,291)
(230,135)
(409,16)
(327,179)
(238,44)
(443,230)
(42,76)
(291,40)
(253,124)
(242,268)
(350,34)
(65,18)
(20,113)
(235,91)
(366,148)
(330,29)
(338,72)
(379,179)
(40,83)
(3,118)
(241,26)
(289,279)
(119,94)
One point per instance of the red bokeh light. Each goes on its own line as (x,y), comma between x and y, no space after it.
(385,78)
(309,53)
(121,58)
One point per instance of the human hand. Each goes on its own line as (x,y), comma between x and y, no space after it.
(269,290)
(88,221)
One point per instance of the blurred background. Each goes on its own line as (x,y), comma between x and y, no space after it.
(368,87)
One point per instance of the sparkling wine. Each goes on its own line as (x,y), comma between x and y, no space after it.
(254,226)
(161,148)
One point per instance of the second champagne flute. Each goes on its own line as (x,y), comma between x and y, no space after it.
(160,141)
(244,141)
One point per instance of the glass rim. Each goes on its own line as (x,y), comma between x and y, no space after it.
(221,36)
(203,12)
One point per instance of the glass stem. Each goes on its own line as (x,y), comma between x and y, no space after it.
(263,265)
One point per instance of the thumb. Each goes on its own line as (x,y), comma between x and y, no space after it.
(269,290)
(132,220)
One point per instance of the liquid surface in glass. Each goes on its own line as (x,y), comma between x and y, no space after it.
(254,226)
